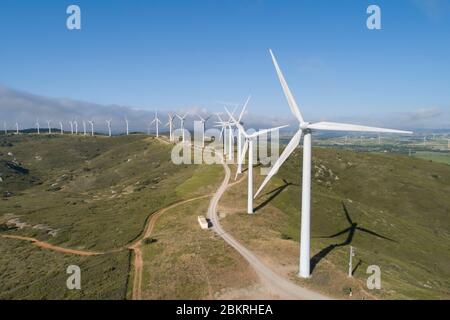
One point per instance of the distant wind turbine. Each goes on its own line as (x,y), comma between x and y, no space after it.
(306,129)
(127,127)
(171,117)
(49,127)
(203,121)
(239,138)
(108,122)
(84,128)
(182,119)
(76,126)
(71,127)
(156,121)
(38,127)
(91,122)
(223,126)
(61,127)
(249,139)
(17,128)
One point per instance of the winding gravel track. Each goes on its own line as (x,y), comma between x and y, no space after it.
(276,284)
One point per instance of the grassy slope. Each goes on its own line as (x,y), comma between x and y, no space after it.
(398,197)
(95,192)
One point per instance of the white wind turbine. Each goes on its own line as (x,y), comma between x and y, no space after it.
(49,127)
(38,127)
(223,126)
(75,122)
(156,121)
(17,127)
(203,121)
(126,123)
(91,122)
(239,139)
(71,127)
(227,131)
(305,129)
(108,122)
(170,124)
(84,128)
(61,127)
(249,139)
(182,119)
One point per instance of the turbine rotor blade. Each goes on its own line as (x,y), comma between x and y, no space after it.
(287,92)
(334,126)
(240,127)
(243,109)
(295,141)
(261,132)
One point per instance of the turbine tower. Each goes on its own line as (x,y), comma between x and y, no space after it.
(71,127)
(170,124)
(84,128)
(203,121)
(239,138)
(223,126)
(156,121)
(305,129)
(49,127)
(61,127)
(249,139)
(182,119)
(108,122)
(76,126)
(126,123)
(17,127)
(38,127)
(91,122)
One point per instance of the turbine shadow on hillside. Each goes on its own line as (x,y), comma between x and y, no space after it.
(351,230)
(273,194)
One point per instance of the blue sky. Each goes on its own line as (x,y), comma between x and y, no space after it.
(180,54)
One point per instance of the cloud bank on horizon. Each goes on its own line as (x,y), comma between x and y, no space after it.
(26,108)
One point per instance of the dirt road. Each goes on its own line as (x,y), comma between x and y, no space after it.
(276,284)
(136,247)
(49,246)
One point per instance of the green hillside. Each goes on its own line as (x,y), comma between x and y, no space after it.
(84,193)
(400,203)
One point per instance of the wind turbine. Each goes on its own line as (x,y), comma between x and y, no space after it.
(61,127)
(108,122)
(156,121)
(91,122)
(49,127)
(249,139)
(38,127)
(17,127)
(182,119)
(239,138)
(71,127)
(223,126)
(170,124)
(203,120)
(305,129)
(84,128)
(76,126)
(126,122)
